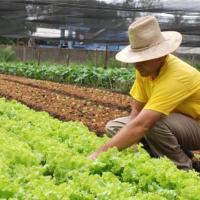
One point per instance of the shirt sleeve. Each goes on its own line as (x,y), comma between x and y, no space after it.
(166,96)
(138,91)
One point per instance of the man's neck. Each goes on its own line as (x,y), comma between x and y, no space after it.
(160,65)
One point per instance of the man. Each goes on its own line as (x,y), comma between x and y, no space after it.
(166,93)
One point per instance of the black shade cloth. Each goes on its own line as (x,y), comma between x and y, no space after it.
(99,21)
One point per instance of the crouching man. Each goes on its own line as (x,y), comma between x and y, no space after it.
(166,93)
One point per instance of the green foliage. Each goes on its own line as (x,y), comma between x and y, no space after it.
(44,158)
(197,66)
(7,55)
(116,79)
(7,41)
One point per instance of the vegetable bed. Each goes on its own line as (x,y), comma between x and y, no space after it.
(43,158)
(116,79)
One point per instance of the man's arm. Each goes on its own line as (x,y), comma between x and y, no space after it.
(132,132)
(136,108)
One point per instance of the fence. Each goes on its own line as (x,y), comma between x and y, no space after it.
(61,55)
(67,56)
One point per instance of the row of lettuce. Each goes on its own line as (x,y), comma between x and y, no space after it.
(44,158)
(116,79)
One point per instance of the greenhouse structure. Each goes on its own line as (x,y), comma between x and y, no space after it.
(100,100)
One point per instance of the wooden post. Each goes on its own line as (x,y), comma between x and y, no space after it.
(35,53)
(38,56)
(68,57)
(106,57)
(96,58)
(24,54)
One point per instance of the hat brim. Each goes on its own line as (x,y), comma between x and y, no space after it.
(172,41)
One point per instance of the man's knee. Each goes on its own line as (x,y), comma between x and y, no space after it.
(113,126)
(110,129)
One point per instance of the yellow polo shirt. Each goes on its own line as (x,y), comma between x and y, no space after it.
(176,88)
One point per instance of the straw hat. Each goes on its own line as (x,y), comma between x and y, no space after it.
(148,42)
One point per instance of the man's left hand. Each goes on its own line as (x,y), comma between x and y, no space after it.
(93,156)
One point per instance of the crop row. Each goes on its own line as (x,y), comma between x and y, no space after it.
(47,161)
(117,79)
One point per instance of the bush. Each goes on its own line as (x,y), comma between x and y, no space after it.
(7,55)
(7,41)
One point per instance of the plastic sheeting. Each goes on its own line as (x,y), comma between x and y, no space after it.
(99,21)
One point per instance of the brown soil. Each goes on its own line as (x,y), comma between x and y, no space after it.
(63,104)
(99,96)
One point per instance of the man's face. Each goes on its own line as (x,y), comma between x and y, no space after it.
(149,67)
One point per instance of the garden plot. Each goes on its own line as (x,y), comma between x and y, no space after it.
(99,96)
(64,103)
